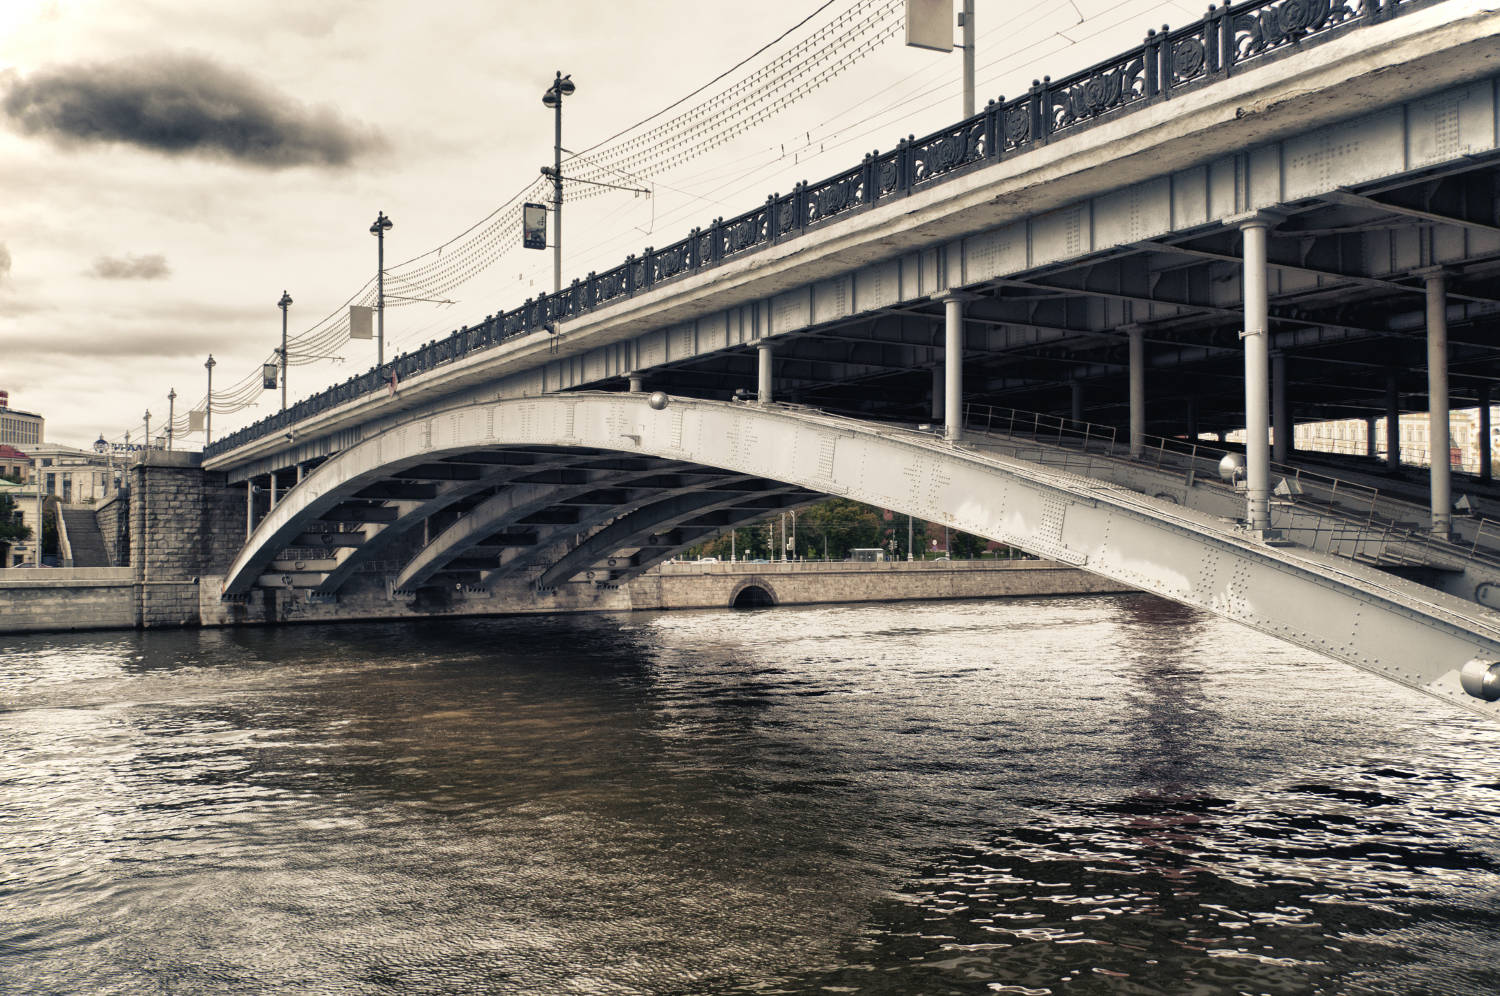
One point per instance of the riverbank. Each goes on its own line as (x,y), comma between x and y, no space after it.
(112,598)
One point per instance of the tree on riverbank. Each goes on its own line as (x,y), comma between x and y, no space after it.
(11,530)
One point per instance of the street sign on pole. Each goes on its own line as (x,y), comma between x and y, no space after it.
(268,376)
(534,226)
(929,24)
(361,322)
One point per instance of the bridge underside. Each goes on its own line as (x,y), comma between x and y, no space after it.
(592,488)
(1347,313)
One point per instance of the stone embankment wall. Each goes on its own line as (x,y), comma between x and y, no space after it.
(113,516)
(671,586)
(59,598)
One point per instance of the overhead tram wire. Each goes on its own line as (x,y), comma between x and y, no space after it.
(822,141)
(478,247)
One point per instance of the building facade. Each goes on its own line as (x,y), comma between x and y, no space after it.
(14,465)
(19,428)
(74,476)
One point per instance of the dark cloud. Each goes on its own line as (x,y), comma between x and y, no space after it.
(152,267)
(178,105)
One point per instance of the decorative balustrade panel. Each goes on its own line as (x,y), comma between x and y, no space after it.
(1108,86)
(671,261)
(949,150)
(837,196)
(748,231)
(613,284)
(1193,55)
(1259,28)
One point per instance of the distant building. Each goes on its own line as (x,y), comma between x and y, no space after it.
(24,512)
(18,428)
(14,464)
(76,477)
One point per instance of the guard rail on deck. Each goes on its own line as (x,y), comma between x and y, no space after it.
(1331,514)
(1167,63)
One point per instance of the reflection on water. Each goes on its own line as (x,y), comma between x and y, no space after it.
(1026,796)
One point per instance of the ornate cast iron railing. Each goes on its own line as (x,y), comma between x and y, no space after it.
(1168,62)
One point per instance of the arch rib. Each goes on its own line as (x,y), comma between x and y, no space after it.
(1412,635)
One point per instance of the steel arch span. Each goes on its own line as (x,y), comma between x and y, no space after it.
(596,487)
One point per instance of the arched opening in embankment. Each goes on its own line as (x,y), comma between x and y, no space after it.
(752,596)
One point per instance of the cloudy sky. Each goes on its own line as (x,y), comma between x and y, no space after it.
(168,167)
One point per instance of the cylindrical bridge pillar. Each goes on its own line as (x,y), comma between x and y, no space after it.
(1137,389)
(1437,402)
(1392,422)
(953,367)
(1257,370)
(1281,417)
(763,382)
(1485,470)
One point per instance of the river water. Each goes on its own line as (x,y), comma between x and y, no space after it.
(1031,796)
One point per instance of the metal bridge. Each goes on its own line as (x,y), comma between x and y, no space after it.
(1286,212)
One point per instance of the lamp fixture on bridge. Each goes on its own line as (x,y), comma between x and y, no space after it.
(381,225)
(553,98)
(208,404)
(283,304)
(171,414)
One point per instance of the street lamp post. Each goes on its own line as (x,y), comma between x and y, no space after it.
(283,304)
(208,406)
(171,409)
(148,429)
(378,229)
(37,473)
(560,88)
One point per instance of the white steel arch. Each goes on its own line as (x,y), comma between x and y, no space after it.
(1396,630)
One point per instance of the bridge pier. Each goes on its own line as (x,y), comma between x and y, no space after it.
(1392,422)
(1281,419)
(953,367)
(1137,389)
(1484,434)
(1257,368)
(1437,401)
(763,382)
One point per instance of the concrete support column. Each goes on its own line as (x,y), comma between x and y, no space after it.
(763,392)
(299,473)
(637,384)
(953,367)
(1372,438)
(1437,402)
(1137,389)
(1257,369)
(1076,408)
(273,492)
(1485,472)
(1392,422)
(937,394)
(1281,419)
(249,508)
